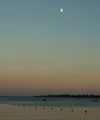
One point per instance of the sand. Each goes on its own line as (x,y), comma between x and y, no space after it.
(11,112)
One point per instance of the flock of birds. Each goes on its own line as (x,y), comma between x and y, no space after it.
(36,107)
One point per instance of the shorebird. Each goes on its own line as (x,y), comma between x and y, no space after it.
(61,109)
(85,111)
(72,110)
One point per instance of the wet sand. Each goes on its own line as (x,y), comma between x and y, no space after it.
(11,112)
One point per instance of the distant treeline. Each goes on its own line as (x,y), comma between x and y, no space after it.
(67,95)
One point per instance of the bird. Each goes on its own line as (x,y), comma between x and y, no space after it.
(72,110)
(85,111)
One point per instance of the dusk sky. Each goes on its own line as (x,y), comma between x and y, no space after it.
(44,51)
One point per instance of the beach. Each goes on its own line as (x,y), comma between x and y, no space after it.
(14,112)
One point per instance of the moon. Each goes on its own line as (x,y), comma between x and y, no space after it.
(61,10)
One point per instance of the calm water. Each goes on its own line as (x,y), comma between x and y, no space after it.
(51,101)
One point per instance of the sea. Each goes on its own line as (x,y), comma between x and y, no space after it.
(65,102)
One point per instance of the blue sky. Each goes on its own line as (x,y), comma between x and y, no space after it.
(39,42)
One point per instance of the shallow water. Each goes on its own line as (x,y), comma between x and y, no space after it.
(51,101)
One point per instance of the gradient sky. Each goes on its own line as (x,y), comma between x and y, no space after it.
(43,51)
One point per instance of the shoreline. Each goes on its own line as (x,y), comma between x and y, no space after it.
(8,112)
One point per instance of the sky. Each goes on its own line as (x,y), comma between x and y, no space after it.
(44,51)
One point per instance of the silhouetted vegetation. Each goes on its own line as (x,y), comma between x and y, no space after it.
(68,95)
